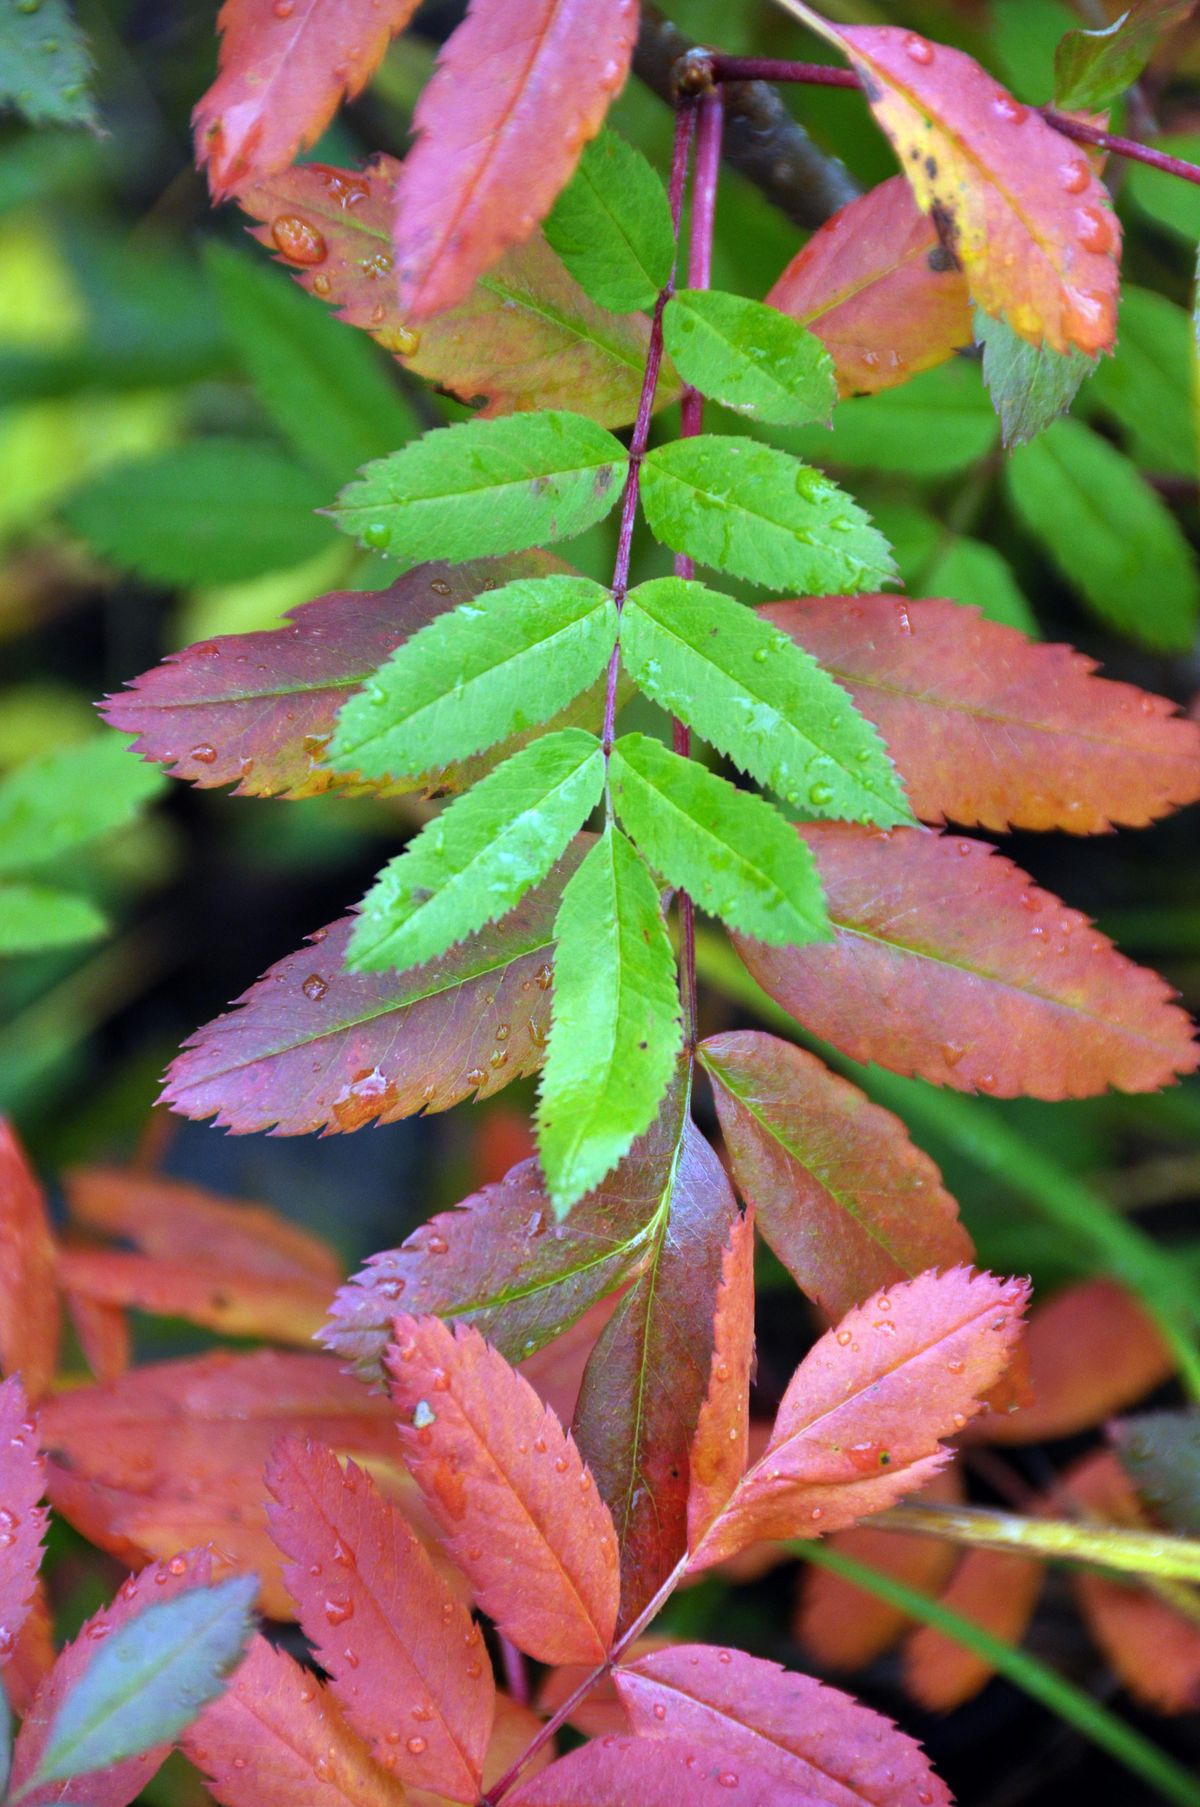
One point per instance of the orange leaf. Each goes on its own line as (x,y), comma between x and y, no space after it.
(948,962)
(117,1785)
(992,730)
(861,1421)
(104,1335)
(1021,208)
(788,1725)
(32,1657)
(879,291)
(845,1199)
(720,1448)
(514,1731)
(656,1772)
(276,1731)
(1093,1350)
(206,1293)
(29,1307)
(285,66)
(406,1662)
(994,1590)
(22,1519)
(840,1625)
(517,1507)
(525,335)
(520,87)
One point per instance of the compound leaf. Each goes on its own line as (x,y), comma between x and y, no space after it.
(752,694)
(730,850)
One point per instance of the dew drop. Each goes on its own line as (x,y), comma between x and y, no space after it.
(1075,175)
(204,754)
(416,1744)
(920,50)
(1005,107)
(820,795)
(423,1415)
(660,1712)
(378,536)
(296,240)
(338,1611)
(1096,229)
(727,1779)
(314,988)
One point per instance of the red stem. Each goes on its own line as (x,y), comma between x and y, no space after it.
(774,69)
(685,119)
(709,130)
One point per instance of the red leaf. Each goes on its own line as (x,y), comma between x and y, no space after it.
(503,1262)
(104,1335)
(256,710)
(861,1421)
(117,1785)
(32,1658)
(1023,211)
(515,1729)
(520,87)
(656,1772)
(29,1308)
(517,1507)
(234,1304)
(526,336)
(845,1199)
(406,1662)
(22,1519)
(876,287)
(840,1625)
(996,1591)
(787,1725)
(285,67)
(1093,1350)
(276,1731)
(648,1375)
(600,1713)
(991,729)
(949,963)
(311,1046)
(721,1447)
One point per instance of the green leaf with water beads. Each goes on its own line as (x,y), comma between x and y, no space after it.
(729,849)
(485,487)
(149,1680)
(611,225)
(749,357)
(747,508)
(759,698)
(616,1029)
(475,862)
(493,667)
(44,63)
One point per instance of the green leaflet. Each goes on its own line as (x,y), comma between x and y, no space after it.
(612,228)
(33,917)
(327,390)
(490,668)
(475,862)
(44,63)
(1030,385)
(214,512)
(1108,532)
(1147,386)
(149,1679)
(747,508)
(57,802)
(1092,67)
(484,487)
(749,357)
(616,1027)
(730,850)
(758,697)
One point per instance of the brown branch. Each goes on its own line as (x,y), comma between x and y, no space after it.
(761,139)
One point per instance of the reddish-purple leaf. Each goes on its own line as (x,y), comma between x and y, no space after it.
(948,962)
(256,710)
(721,1447)
(1025,214)
(29,1305)
(274,1733)
(863,1416)
(658,1772)
(518,1509)
(993,730)
(22,1519)
(504,1262)
(845,1199)
(285,67)
(520,87)
(526,336)
(876,286)
(788,1725)
(312,1046)
(648,1375)
(117,1785)
(406,1662)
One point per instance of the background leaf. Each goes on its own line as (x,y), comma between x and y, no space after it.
(45,69)
(33,917)
(29,1307)
(1092,67)
(1160,1452)
(51,805)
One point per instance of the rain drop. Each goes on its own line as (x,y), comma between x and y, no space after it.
(296,240)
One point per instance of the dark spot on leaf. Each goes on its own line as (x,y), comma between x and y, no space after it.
(602,481)
(940,260)
(931,168)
